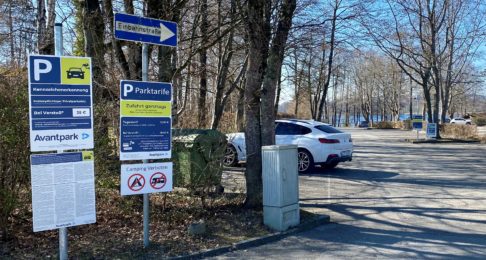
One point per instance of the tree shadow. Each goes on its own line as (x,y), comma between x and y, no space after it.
(384,234)
(347,173)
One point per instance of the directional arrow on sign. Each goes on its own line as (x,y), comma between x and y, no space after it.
(165,33)
(146,30)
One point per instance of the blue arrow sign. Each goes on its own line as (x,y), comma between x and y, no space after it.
(147,30)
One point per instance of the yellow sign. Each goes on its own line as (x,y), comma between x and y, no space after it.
(145,108)
(88,155)
(75,71)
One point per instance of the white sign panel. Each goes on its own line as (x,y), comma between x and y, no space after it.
(63,193)
(146,178)
(60,95)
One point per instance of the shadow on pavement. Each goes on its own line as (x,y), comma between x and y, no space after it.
(346,173)
(410,239)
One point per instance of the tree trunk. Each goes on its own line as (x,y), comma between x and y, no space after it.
(258,43)
(224,64)
(330,61)
(240,110)
(272,72)
(94,31)
(45,29)
(411,101)
(117,51)
(203,57)
(277,99)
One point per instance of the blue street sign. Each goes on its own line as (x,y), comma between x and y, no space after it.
(60,93)
(145,120)
(417,122)
(146,30)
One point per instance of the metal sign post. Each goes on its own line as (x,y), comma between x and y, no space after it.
(148,31)
(63,233)
(146,201)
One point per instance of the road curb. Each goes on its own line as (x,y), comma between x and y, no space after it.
(442,141)
(252,242)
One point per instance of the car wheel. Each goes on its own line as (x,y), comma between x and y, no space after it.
(305,162)
(468,123)
(230,158)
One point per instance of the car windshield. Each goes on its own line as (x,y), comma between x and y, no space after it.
(75,69)
(328,129)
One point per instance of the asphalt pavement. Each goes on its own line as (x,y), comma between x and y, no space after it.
(394,200)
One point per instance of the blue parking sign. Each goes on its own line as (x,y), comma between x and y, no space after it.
(60,102)
(145,120)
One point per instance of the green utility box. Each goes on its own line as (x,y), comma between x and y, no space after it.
(198,156)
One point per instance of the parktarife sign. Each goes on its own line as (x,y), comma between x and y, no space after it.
(145,120)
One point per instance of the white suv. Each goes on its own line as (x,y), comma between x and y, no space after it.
(318,144)
(461,121)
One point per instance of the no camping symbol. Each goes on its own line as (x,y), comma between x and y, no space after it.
(136,182)
(158,180)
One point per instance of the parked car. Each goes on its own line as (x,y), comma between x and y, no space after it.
(75,73)
(363,124)
(318,144)
(461,121)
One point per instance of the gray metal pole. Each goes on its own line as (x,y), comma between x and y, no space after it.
(63,243)
(63,233)
(146,220)
(145,62)
(146,201)
(58,39)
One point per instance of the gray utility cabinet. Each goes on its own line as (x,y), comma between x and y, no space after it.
(280,186)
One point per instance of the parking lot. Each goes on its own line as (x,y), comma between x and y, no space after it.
(395,200)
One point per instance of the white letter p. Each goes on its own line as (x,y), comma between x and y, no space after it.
(38,70)
(126,89)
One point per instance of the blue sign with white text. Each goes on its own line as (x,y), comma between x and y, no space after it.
(146,90)
(145,134)
(147,30)
(145,120)
(417,122)
(60,102)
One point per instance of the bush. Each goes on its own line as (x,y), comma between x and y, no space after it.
(389,125)
(407,124)
(14,142)
(458,131)
(479,121)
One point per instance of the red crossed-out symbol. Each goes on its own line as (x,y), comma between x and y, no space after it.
(158,180)
(136,182)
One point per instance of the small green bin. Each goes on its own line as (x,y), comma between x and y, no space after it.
(198,156)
